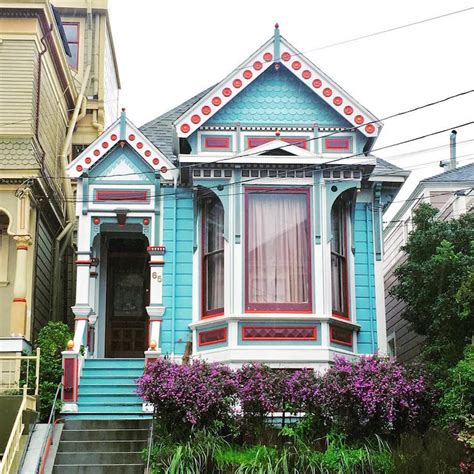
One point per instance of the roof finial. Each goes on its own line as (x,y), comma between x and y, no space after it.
(123,109)
(277,26)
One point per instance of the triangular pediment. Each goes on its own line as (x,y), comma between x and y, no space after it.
(277,53)
(126,148)
(277,147)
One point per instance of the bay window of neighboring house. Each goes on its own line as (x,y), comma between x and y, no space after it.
(278,250)
(339,283)
(213,258)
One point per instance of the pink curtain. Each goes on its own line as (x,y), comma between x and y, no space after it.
(277,253)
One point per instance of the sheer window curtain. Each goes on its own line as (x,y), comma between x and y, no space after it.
(214,256)
(278,259)
(338,259)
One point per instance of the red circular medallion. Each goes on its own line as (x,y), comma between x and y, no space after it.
(140,145)
(148,153)
(87,160)
(156,161)
(79,168)
(113,137)
(306,74)
(226,92)
(185,128)
(337,100)
(146,221)
(195,118)
(237,83)
(257,65)
(296,65)
(216,101)
(247,74)
(96,220)
(358,119)
(131,137)
(206,110)
(105,145)
(327,92)
(268,57)
(96,152)
(348,110)
(163,169)
(317,83)
(369,128)
(286,56)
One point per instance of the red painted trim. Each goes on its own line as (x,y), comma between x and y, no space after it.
(334,339)
(280,307)
(160,264)
(337,144)
(81,319)
(83,262)
(70,379)
(121,195)
(213,312)
(19,300)
(313,337)
(253,142)
(218,331)
(48,446)
(224,145)
(22,247)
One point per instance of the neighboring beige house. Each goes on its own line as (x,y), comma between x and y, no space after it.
(452,193)
(59,87)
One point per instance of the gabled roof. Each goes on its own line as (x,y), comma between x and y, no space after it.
(161,130)
(122,132)
(459,175)
(274,53)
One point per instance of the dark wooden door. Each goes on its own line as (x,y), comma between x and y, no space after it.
(127,297)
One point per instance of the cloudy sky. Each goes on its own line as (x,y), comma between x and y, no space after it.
(169,51)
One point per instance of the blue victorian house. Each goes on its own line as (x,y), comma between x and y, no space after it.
(243,225)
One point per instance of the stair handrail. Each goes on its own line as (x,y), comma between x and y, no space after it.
(49,434)
(150,444)
(13,443)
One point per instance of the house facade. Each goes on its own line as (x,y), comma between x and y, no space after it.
(452,193)
(243,225)
(58,91)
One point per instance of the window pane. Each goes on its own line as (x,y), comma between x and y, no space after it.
(278,261)
(72,32)
(215,281)
(338,270)
(73,60)
(214,213)
(338,259)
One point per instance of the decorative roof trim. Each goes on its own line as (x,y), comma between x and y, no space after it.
(120,132)
(275,52)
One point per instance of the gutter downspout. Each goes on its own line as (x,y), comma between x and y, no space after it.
(70,211)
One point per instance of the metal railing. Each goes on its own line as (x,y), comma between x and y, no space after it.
(150,444)
(16,371)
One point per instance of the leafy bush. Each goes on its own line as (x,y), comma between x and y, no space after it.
(371,396)
(187,397)
(52,340)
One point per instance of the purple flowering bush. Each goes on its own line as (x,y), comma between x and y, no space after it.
(371,396)
(188,396)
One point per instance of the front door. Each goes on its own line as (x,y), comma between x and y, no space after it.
(127,297)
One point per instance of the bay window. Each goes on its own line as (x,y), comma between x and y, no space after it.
(278,255)
(340,303)
(213,258)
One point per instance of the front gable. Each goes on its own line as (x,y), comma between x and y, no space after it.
(277,55)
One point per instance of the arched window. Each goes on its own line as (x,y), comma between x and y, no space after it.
(340,293)
(213,258)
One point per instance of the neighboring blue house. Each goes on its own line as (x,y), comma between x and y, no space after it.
(243,225)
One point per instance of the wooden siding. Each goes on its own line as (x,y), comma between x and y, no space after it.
(43,282)
(18,72)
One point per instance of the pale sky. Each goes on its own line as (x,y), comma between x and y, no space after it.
(169,51)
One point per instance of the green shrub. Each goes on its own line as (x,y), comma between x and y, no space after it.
(52,340)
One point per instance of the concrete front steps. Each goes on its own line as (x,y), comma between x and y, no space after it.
(107,390)
(102,446)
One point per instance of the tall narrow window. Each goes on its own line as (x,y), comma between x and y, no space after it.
(340,304)
(278,256)
(72,36)
(213,258)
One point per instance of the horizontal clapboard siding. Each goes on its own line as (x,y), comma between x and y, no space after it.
(18,74)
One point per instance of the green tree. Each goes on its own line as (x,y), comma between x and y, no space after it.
(437,284)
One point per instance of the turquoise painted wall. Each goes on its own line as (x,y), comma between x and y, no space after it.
(177,278)
(365,279)
(277,98)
